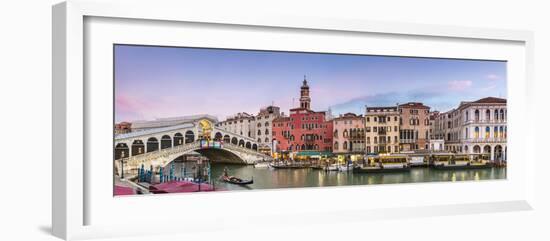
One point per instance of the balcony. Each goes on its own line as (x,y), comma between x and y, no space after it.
(499,121)
(486,140)
(406,141)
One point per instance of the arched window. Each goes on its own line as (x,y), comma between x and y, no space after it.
(476,132)
(502,114)
(501,132)
(467,116)
(266,131)
(266,140)
(259,132)
(259,124)
(178,139)
(336,133)
(152,144)
(138,147)
(266,124)
(487,115)
(496,114)
(121,151)
(189,137)
(345,133)
(345,146)
(495,132)
(487,132)
(226,139)
(476,115)
(218,136)
(165,142)
(303,147)
(259,140)
(335,146)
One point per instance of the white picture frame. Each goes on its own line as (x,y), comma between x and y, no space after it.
(75,198)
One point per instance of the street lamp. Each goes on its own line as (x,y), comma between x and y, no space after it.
(122,165)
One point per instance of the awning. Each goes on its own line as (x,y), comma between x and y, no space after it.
(314,153)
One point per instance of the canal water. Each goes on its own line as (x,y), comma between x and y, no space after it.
(267,178)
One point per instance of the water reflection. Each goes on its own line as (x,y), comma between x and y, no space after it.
(265,178)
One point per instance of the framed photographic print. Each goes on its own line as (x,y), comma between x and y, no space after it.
(279,118)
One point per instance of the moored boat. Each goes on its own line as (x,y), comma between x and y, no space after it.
(377,169)
(384,164)
(261,165)
(460,162)
(345,168)
(288,166)
(332,167)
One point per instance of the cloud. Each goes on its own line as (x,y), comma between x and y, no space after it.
(459,85)
(434,98)
(492,77)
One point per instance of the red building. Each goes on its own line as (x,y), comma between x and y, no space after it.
(304,129)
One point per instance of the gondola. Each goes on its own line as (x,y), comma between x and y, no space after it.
(236,180)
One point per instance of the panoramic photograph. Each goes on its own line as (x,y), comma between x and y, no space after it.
(192,119)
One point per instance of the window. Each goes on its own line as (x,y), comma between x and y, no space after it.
(487,132)
(266,131)
(335,146)
(488,115)
(345,146)
(368,119)
(368,140)
(259,132)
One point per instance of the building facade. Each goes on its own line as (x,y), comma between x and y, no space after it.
(414,126)
(123,127)
(304,129)
(241,123)
(349,135)
(262,127)
(475,127)
(382,129)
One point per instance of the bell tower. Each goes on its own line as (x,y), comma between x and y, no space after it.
(305,100)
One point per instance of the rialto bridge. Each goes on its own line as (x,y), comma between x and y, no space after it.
(160,146)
